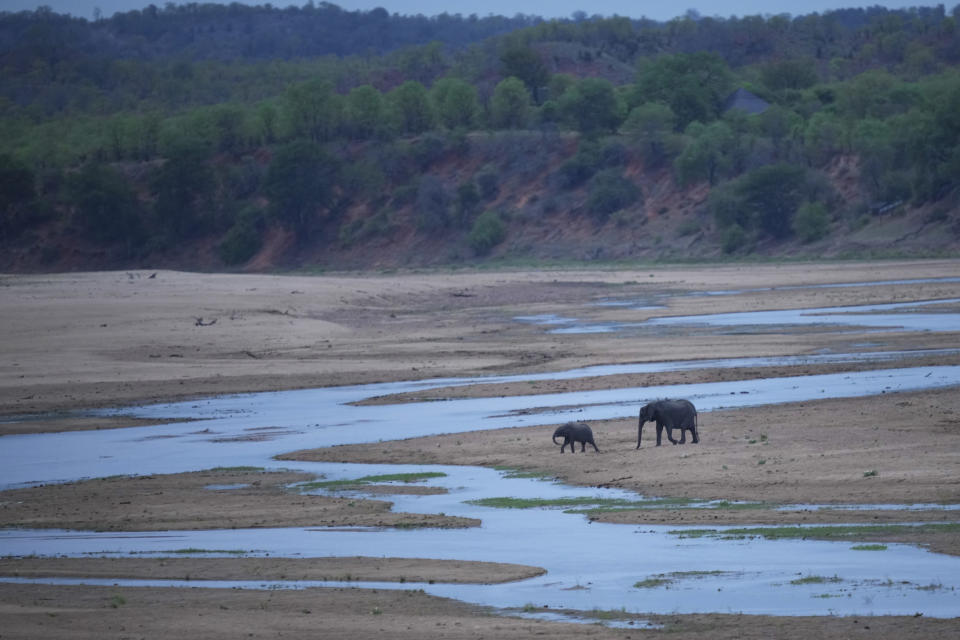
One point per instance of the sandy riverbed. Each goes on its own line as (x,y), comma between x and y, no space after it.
(76,341)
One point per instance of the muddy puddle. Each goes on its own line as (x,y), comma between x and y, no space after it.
(590,565)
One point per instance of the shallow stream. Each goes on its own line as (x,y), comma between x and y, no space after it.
(589,565)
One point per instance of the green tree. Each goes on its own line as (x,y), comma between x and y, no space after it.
(873,142)
(244,238)
(811,221)
(782,127)
(183,186)
(365,111)
(105,205)
(300,183)
(526,64)
(707,153)
(228,121)
(650,126)
(487,232)
(592,106)
(763,200)
(411,108)
(868,94)
(510,105)
(266,122)
(313,110)
(455,102)
(694,85)
(824,137)
(794,74)
(17,194)
(610,191)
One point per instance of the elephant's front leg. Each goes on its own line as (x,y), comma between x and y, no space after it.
(683,436)
(660,432)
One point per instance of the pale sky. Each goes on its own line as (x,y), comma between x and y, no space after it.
(551,9)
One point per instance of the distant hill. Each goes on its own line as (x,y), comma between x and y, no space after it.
(235,137)
(241,32)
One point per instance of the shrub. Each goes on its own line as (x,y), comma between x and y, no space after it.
(610,191)
(106,206)
(580,168)
(811,221)
(488,180)
(734,237)
(244,238)
(433,204)
(488,231)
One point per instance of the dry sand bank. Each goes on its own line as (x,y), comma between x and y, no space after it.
(359,569)
(182,501)
(75,341)
(108,339)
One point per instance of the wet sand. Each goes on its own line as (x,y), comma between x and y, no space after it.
(183,501)
(76,341)
(267,569)
(41,612)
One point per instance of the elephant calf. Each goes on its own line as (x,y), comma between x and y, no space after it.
(572,433)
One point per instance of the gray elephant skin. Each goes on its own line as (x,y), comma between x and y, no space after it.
(670,415)
(572,433)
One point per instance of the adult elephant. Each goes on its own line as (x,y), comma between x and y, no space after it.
(670,415)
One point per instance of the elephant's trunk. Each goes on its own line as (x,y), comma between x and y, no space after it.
(555,439)
(640,431)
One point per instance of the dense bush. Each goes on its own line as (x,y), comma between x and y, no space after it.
(244,238)
(812,221)
(610,191)
(765,200)
(105,205)
(488,231)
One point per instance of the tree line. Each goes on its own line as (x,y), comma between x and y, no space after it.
(331,136)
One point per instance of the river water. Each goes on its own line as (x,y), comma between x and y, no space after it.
(589,565)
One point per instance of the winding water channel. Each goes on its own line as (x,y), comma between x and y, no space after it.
(589,565)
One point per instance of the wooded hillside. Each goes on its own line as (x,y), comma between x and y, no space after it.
(211,136)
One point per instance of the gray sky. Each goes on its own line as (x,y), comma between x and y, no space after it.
(554,8)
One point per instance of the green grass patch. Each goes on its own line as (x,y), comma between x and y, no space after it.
(664,579)
(511,472)
(842,532)
(608,614)
(388,477)
(869,547)
(816,580)
(652,583)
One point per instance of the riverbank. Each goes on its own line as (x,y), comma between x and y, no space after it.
(80,341)
(43,612)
